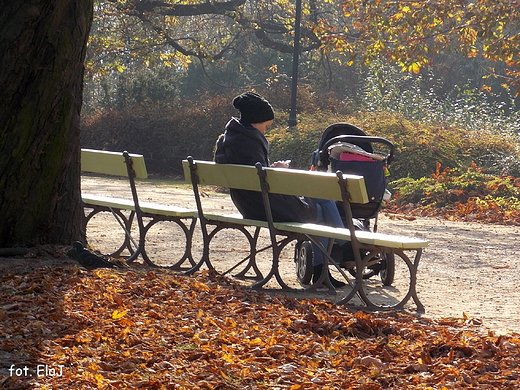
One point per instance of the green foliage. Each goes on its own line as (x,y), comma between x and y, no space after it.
(242,43)
(296,144)
(419,145)
(461,193)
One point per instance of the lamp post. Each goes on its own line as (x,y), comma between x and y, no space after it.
(292,120)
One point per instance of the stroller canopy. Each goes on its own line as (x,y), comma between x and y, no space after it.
(336,130)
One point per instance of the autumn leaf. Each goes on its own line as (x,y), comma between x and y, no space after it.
(116,314)
(220,335)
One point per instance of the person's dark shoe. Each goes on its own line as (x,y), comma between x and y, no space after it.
(336,283)
(318,269)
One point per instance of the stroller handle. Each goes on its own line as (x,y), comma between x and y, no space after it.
(362,138)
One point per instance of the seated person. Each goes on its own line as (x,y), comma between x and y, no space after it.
(244,142)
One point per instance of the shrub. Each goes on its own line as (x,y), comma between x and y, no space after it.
(164,134)
(419,145)
(167,133)
(466,194)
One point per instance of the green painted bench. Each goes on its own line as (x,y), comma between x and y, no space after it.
(146,214)
(339,187)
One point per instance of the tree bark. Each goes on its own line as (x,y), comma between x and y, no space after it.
(42,49)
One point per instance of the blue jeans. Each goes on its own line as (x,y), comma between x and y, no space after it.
(328,214)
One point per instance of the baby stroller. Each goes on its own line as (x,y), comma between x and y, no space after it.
(347,148)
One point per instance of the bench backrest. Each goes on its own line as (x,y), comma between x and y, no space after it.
(111,163)
(281,181)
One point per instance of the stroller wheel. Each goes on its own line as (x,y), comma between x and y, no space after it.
(387,274)
(303,258)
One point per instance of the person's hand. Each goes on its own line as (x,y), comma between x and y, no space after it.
(281,164)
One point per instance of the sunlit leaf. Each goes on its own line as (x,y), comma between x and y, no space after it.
(226,336)
(116,314)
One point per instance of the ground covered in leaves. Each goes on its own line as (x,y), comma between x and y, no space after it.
(62,327)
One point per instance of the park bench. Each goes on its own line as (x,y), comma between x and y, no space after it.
(339,187)
(125,211)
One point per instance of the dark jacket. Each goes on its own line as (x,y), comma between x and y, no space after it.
(247,146)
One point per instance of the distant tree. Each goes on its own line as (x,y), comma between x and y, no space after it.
(42,49)
(403,32)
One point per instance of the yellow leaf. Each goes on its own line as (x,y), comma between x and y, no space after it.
(99,379)
(257,341)
(228,358)
(415,67)
(224,375)
(93,367)
(230,322)
(116,314)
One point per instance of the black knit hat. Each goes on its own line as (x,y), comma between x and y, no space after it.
(253,108)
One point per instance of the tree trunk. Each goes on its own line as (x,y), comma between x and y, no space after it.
(42,49)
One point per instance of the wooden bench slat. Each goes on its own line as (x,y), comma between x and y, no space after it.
(236,218)
(168,211)
(281,181)
(111,163)
(368,238)
(315,184)
(147,207)
(224,175)
(106,201)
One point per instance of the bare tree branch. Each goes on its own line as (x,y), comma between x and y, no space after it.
(262,30)
(181,49)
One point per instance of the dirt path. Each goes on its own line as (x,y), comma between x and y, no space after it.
(468,268)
